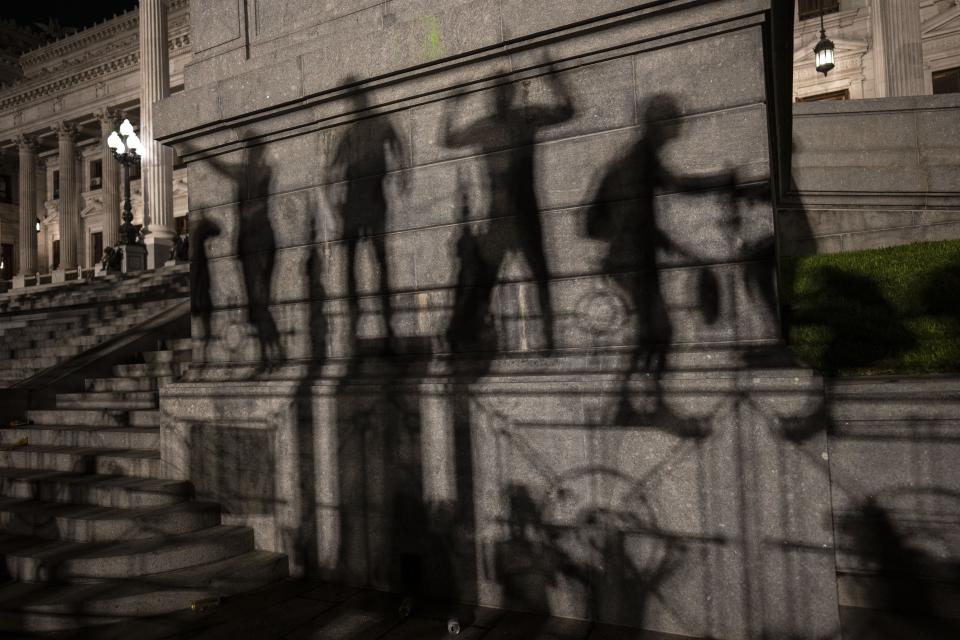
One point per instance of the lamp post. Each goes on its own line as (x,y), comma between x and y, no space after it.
(126,155)
(824,51)
(128,150)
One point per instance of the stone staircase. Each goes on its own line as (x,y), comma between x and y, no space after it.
(90,531)
(43,329)
(136,287)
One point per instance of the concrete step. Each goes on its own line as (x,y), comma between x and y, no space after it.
(123,385)
(159,370)
(33,623)
(35,560)
(182,344)
(168,356)
(905,407)
(14,364)
(19,374)
(84,436)
(911,386)
(159,594)
(133,462)
(95,417)
(60,352)
(79,341)
(108,400)
(115,327)
(101,490)
(86,523)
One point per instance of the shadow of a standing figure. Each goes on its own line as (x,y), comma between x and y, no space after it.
(471,326)
(361,164)
(634,240)
(256,248)
(511,176)
(201,303)
(304,539)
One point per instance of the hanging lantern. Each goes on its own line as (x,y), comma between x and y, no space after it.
(824,53)
(824,49)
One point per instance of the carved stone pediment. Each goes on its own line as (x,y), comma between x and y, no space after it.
(945,24)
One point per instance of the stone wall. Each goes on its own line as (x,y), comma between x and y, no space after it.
(896,495)
(872,173)
(484,307)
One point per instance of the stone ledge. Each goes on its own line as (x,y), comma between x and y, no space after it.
(874,105)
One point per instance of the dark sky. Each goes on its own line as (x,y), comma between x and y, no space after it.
(70,13)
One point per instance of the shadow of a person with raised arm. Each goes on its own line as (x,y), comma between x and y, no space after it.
(256,248)
(360,164)
(624,215)
(511,175)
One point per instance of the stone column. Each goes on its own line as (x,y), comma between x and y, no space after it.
(43,255)
(897,49)
(109,120)
(69,202)
(157,164)
(28,206)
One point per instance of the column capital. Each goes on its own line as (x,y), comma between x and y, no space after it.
(66,130)
(109,118)
(26,142)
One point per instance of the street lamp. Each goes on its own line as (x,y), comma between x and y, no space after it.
(824,49)
(127,155)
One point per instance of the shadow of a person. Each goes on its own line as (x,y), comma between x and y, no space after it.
(256,248)
(304,538)
(634,239)
(201,303)
(512,180)
(470,327)
(361,164)
(527,563)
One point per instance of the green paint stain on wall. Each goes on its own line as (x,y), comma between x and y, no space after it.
(433,41)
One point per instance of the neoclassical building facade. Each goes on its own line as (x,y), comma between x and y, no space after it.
(884,48)
(58,179)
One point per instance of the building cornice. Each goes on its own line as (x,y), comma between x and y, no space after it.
(127,21)
(30,91)
(55,71)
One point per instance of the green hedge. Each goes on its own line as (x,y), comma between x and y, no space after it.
(882,311)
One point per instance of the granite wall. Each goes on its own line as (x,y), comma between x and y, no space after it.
(872,173)
(485,308)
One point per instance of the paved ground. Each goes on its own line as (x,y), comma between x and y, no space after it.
(301,610)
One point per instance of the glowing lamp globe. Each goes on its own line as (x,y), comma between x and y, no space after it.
(824,52)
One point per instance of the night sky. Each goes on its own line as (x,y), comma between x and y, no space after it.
(70,13)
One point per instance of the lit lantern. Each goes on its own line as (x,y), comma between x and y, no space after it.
(824,53)
(824,49)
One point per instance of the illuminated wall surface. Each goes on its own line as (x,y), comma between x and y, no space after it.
(484,307)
